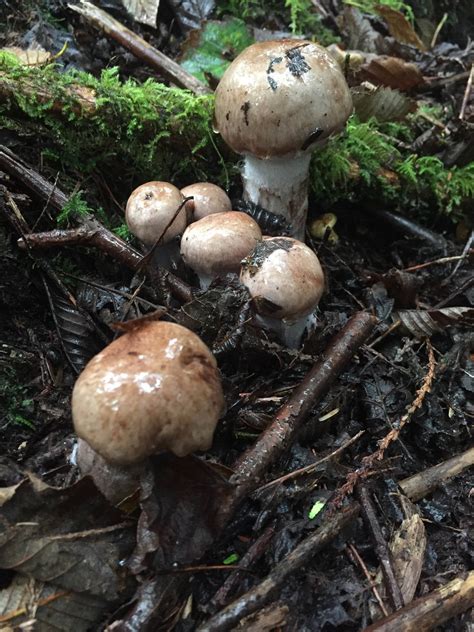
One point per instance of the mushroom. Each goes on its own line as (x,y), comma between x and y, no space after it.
(216,244)
(156,388)
(286,281)
(276,102)
(208,199)
(149,216)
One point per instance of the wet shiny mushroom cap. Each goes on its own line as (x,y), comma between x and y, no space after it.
(216,244)
(208,199)
(284,277)
(151,207)
(155,388)
(282,97)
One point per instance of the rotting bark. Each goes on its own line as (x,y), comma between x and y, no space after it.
(432,609)
(259,596)
(90,228)
(423,483)
(253,464)
(172,71)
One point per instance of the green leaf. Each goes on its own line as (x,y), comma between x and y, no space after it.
(218,43)
(231,559)
(316,508)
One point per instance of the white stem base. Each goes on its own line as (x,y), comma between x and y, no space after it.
(281,186)
(289,333)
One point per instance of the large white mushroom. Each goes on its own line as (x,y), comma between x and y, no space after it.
(275,104)
(155,388)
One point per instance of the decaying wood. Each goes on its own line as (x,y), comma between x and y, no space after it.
(259,596)
(407,547)
(420,485)
(432,609)
(172,71)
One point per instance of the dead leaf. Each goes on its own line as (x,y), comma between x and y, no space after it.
(72,537)
(47,607)
(360,34)
(382,103)
(425,323)
(272,617)
(30,56)
(392,72)
(191,13)
(399,27)
(144,11)
(180,502)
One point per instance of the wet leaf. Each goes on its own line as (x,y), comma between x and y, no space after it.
(210,51)
(26,599)
(399,27)
(425,323)
(381,103)
(70,536)
(75,330)
(392,72)
(191,13)
(360,33)
(144,11)
(180,501)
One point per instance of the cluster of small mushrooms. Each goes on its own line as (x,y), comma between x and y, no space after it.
(157,387)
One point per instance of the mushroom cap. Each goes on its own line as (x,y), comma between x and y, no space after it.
(282,97)
(150,209)
(284,277)
(155,388)
(216,244)
(208,199)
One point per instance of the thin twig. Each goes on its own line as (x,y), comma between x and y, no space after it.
(467,94)
(171,70)
(310,468)
(355,554)
(383,552)
(441,261)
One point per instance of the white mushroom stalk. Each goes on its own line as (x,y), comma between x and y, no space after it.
(286,281)
(275,104)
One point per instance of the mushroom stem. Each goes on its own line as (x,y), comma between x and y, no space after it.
(280,185)
(290,333)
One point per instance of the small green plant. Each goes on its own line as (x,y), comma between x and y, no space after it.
(14,402)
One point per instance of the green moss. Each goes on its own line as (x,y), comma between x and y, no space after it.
(141,130)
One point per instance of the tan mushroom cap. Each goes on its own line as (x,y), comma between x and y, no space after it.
(208,199)
(284,276)
(281,97)
(156,388)
(216,244)
(151,207)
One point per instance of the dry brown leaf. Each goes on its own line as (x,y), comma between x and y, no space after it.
(382,103)
(392,72)
(29,56)
(425,323)
(399,27)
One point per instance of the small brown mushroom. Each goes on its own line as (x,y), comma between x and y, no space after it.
(286,281)
(156,388)
(215,245)
(208,199)
(275,104)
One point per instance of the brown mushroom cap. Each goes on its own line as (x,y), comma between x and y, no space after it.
(155,388)
(208,199)
(284,276)
(281,97)
(150,209)
(216,244)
